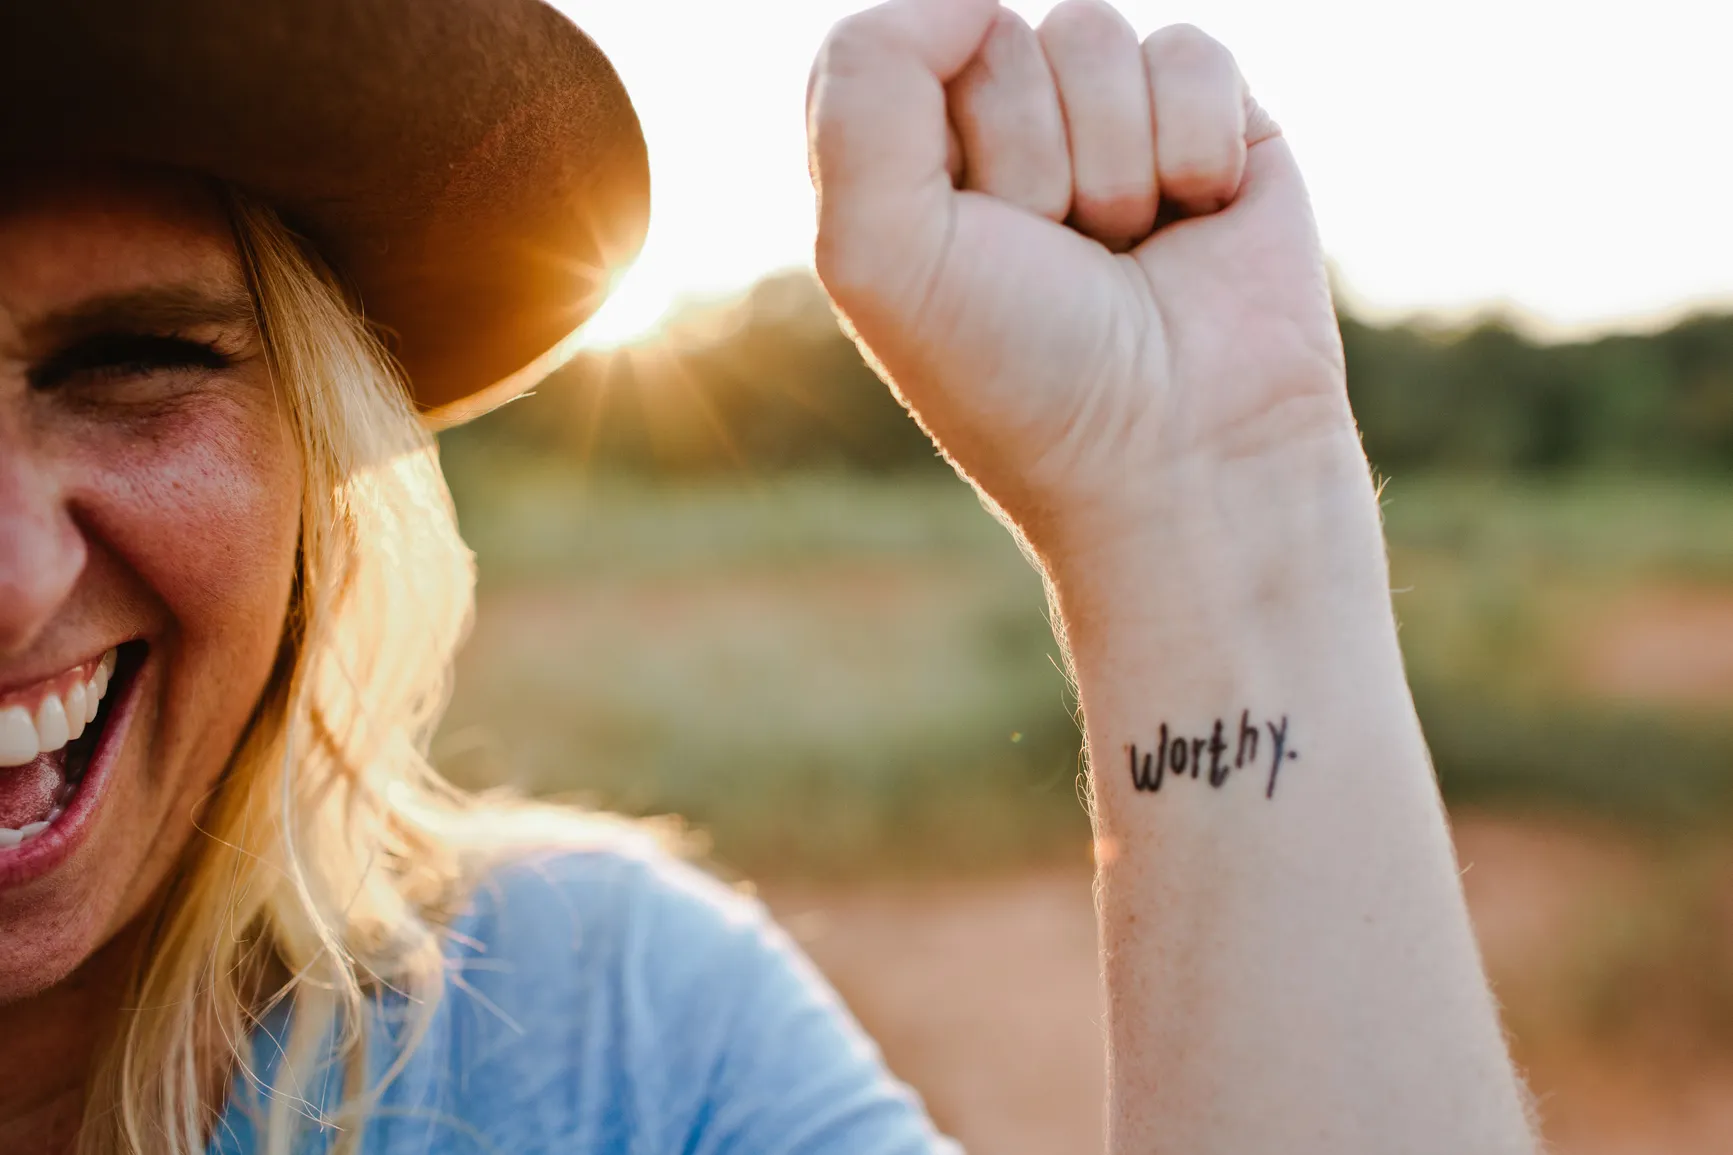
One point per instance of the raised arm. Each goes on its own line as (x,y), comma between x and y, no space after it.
(1089,267)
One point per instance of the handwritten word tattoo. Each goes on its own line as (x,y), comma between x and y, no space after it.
(1181,756)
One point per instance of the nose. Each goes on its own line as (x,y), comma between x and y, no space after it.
(42,551)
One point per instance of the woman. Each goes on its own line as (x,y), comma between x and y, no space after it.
(241,914)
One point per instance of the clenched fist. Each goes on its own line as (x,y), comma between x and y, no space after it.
(1085,263)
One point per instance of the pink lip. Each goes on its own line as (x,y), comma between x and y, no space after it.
(48,850)
(36,687)
(31,695)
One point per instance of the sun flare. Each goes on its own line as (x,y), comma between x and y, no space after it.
(638,304)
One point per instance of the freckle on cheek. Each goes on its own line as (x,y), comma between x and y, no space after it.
(223,512)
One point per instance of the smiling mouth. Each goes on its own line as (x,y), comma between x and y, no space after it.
(47,743)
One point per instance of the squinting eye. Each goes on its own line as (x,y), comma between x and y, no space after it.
(120,356)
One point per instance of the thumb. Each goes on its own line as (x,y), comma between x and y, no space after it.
(878,137)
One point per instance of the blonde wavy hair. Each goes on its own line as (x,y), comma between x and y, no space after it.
(330,852)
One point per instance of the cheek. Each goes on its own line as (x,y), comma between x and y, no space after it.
(199,510)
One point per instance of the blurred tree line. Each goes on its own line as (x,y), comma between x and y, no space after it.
(768,382)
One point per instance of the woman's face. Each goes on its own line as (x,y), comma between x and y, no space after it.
(149,501)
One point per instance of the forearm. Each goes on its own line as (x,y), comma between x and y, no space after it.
(1287,952)
(1289,961)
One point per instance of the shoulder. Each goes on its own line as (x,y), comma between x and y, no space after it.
(621,916)
(619,941)
(615,996)
(622,889)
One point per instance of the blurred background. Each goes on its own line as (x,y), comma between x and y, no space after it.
(724,576)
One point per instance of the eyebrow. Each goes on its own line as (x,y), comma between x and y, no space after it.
(158,309)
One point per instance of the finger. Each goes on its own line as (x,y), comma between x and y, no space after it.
(1006,110)
(1104,95)
(1199,101)
(877,133)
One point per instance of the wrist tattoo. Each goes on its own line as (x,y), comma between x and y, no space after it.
(1182,756)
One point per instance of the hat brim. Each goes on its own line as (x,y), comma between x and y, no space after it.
(473,169)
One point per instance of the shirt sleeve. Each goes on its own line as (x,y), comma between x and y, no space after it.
(761,1056)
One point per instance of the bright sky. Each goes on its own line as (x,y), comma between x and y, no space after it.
(1568,158)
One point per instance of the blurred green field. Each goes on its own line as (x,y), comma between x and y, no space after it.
(833,674)
(1570,642)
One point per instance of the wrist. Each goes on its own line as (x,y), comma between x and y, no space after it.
(1279,529)
(1253,592)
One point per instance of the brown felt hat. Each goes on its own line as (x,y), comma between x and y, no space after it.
(473,169)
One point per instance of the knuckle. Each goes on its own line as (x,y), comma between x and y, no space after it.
(844,70)
(1184,45)
(1007,27)
(1085,24)
(852,46)
(842,47)
(1006,47)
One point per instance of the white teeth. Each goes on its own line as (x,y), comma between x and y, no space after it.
(10,838)
(17,737)
(76,720)
(56,722)
(52,729)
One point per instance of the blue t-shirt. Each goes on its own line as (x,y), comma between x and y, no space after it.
(618,1002)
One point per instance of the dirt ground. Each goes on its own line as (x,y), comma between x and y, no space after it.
(1670,644)
(983,995)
